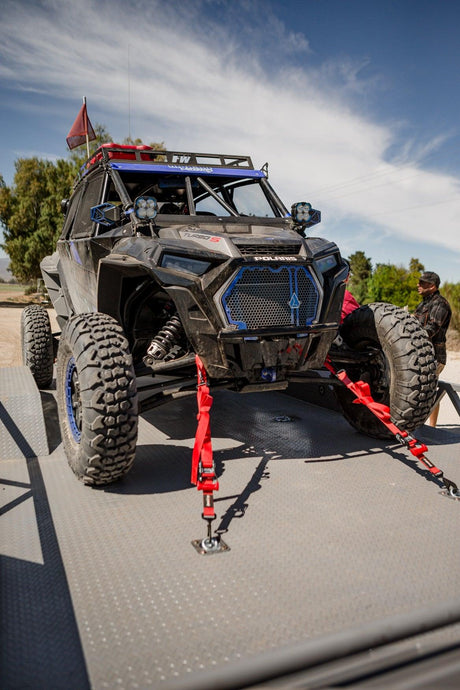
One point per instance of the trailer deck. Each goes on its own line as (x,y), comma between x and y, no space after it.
(328,530)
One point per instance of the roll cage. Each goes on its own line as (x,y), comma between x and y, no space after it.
(198,195)
(186,184)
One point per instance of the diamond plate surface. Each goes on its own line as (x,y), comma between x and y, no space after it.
(22,427)
(328,529)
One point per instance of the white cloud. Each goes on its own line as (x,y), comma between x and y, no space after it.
(224,82)
(29,153)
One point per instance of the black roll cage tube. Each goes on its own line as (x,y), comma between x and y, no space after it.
(217,197)
(191,202)
(273,199)
(271,196)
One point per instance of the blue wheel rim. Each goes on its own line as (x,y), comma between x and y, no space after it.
(72,400)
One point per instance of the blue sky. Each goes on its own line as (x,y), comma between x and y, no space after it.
(355,104)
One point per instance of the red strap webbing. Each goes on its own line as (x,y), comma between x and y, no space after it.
(363,395)
(203,473)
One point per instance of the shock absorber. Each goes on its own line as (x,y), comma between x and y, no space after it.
(170,335)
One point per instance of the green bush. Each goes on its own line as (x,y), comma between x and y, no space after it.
(395,284)
(451,292)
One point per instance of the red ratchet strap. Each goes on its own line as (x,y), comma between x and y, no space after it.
(363,396)
(203,471)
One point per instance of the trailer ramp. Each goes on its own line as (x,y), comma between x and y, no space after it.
(22,424)
(329,530)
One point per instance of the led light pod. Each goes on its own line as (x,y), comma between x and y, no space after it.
(301,212)
(145,207)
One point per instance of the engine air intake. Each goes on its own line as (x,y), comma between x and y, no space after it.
(265,297)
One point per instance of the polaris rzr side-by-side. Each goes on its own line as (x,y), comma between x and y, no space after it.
(166,256)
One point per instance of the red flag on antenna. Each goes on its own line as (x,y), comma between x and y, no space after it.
(81,131)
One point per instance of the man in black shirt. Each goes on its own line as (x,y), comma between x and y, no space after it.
(434,314)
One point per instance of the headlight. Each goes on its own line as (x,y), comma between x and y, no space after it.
(326,263)
(185,264)
(146,207)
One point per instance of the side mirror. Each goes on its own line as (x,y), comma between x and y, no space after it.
(64,206)
(105,214)
(304,216)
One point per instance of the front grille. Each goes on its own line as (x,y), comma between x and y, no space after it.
(264,297)
(269,249)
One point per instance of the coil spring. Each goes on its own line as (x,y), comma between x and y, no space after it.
(171,334)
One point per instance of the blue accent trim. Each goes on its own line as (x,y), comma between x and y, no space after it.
(75,254)
(268,374)
(292,289)
(241,324)
(294,302)
(68,400)
(177,169)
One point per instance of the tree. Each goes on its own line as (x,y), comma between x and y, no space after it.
(156,145)
(416,269)
(30,210)
(79,155)
(395,284)
(451,292)
(361,270)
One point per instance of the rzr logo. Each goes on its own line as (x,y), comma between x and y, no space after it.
(181,159)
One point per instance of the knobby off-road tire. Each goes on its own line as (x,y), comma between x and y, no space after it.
(97,398)
(402,374)
(37,344)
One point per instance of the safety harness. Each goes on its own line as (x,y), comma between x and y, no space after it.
(203,469)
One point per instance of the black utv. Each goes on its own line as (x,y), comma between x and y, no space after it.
(167,255)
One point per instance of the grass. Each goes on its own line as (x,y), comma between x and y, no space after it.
(14,293)
(12,287)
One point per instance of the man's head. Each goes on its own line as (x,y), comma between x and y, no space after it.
(428,283)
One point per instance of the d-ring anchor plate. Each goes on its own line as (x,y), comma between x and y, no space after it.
(208,547)
(450,494)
